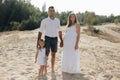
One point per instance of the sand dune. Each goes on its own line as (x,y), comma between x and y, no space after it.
(100,58)
(111,30)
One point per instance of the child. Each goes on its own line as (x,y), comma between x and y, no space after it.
(40,57)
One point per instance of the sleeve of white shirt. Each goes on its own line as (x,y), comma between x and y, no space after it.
(42,26)
(59,25)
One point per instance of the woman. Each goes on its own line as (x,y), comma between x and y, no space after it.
(71,55)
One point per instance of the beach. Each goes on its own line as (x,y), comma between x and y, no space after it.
(99,57)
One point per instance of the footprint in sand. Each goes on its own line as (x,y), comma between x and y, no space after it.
(103,76)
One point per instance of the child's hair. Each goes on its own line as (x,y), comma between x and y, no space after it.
(41,40)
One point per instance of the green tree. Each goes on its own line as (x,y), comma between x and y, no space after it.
(89,19)
(44,7)
(81,18)
(16,14)
(64,17)
(116,21)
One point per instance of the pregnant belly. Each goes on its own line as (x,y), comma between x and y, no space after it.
(69,40)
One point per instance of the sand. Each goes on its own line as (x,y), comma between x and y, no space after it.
(99,60)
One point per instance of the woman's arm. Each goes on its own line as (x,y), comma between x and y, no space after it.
(36,55)
(78,36)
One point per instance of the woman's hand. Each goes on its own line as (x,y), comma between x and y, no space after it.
(76,47)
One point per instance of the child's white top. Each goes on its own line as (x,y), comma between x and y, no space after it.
(41,59)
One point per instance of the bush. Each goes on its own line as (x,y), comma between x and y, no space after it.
(17,14)
(96,31)
(29,24)
(15,25)
(116,21)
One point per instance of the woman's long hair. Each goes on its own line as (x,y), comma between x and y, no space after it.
(69,20)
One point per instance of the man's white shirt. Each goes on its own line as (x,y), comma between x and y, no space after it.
(51,27)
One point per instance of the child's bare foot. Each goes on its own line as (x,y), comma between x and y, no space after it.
(45,72)
(40,77)
(41,74)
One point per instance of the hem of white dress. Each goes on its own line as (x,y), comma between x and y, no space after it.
(78,72)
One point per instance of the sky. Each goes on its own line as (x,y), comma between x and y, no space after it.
(100,7)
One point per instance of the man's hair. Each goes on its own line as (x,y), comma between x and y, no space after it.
(51,7)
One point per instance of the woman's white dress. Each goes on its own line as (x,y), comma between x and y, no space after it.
(70,56)
(41,57)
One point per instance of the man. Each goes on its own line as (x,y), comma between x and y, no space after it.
(51,26)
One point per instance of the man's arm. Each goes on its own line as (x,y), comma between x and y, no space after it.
(60,35)
(41,30)
(39,37)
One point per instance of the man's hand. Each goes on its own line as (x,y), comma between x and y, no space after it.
(61,40)
(61,43)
